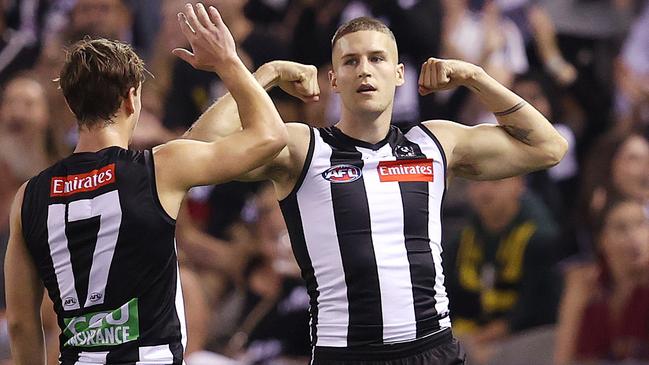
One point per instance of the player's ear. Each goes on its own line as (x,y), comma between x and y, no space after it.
(333,81)
(130,100)
(401,74)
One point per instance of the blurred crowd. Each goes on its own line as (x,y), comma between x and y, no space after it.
(549,268)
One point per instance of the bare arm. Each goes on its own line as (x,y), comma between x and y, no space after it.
(182,164)
(579,285)
(296,79)
(523,141)
(24,292)
(546,42)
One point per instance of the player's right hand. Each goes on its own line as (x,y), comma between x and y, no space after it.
(212,44)
(298,80)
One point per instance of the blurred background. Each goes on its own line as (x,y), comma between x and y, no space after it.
(549,268)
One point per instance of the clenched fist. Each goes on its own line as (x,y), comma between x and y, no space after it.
(437,74)
(298,80)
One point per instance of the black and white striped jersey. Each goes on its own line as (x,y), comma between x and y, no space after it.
(105,251)
(365,227)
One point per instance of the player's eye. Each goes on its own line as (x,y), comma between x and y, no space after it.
(377,59)
(350,62)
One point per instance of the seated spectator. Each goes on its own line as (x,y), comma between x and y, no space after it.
(499,271)
(557,185)
(26,147)
(604,314)
(485,38)
(632,78)
(539,33)
(20,23)
(617,168)
(26,144)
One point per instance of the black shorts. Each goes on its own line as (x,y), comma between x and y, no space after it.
(438,349)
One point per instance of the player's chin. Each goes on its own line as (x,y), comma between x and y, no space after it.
(370,105)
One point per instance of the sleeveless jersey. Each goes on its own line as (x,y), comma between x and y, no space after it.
(104,248)
(365,226)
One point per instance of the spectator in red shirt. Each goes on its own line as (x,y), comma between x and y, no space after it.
(604,313)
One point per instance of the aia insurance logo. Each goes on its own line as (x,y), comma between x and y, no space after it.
(342,174)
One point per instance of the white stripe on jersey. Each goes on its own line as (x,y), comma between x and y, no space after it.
(155,355)
(322,244)
(107,207)
(180,306)
(435,196)
(58,244)
(386,216)
(91,358)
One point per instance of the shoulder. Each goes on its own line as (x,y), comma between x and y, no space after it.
(449,132)
(300,144)
(300,138)
(16,206)
(445,131)
(298,130)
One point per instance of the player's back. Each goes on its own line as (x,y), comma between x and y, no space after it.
(104,248)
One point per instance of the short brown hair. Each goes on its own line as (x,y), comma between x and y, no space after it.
(360,24)
(96,77)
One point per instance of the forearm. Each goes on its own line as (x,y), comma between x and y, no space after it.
(567,333)
(222,117)
(518,118)
(544,34)
(27,343)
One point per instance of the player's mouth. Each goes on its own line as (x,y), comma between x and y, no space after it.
(366,89)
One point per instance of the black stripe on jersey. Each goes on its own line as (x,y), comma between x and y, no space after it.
(352,216)
(43,263)
(441,151)
(414,197)
(293,219)
(307,163)
(150,163)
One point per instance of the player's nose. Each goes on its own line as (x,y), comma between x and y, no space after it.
(364,68)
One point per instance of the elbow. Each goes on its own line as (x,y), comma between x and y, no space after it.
(275,141)
(16,327)
(554,151)
(278,139)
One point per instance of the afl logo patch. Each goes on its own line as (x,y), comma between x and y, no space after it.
(69,301)
(342,174)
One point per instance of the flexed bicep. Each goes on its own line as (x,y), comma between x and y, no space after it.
(488,151)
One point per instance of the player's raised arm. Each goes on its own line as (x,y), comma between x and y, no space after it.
(294,78)
(24,295)
(523,141)
(184,163)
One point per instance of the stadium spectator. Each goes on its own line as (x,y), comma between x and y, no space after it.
(632,78)
(499,271)
(20,27)
(604,314)
(192,91)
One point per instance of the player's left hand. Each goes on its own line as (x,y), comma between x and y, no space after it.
(212,44)
(438,74)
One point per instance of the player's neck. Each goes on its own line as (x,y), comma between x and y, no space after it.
(99,137)
(368,127)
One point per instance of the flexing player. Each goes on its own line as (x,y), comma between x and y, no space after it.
(362,199)
(97,228)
